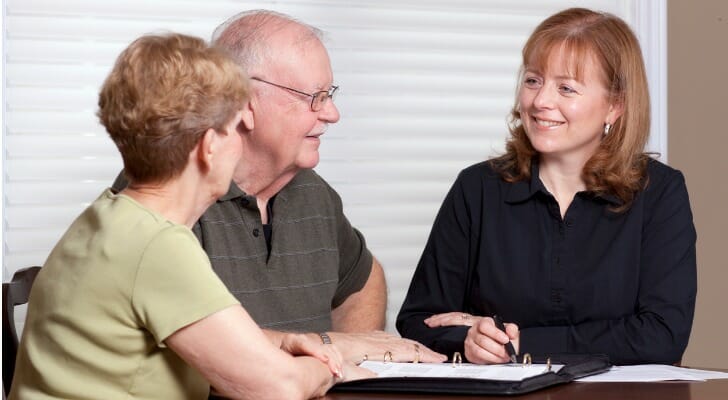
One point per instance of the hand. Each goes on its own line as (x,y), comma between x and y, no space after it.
(352,372)
(484,343)
(373,345)
(452,319)
(298,344)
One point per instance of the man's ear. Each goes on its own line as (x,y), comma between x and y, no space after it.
(205,148)
(247,118)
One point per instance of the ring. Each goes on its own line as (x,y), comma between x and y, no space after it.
(366,357)
(417,354)
(465,316)
(387,356)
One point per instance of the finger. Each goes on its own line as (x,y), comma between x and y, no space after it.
(487,328)
(480,349)
(439,319)
(512,331)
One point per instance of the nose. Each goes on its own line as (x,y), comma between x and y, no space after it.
(329,113)
(544,98)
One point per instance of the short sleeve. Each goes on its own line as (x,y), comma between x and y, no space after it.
(175,284)
(355,259)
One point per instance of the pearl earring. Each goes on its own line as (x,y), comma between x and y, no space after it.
(607,127)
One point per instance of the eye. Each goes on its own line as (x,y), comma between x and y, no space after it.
(531,82)
(566,89)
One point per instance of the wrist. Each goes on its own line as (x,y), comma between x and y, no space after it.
(325,338)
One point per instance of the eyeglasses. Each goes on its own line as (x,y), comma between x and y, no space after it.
(318,99)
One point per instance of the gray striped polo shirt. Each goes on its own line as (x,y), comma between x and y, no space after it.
(317,258)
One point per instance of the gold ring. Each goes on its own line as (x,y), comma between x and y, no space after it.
(417,354)
(366,357)
(466,316)
(387,356)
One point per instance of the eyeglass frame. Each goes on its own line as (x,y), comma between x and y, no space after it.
(329,93)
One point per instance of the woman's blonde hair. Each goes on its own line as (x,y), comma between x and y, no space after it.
(619,165)
(163,94)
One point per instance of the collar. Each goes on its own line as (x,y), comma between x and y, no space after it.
(522,191)
(234,192)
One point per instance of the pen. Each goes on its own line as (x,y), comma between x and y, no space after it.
(509,346)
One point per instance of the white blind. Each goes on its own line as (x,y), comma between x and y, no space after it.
(425,89)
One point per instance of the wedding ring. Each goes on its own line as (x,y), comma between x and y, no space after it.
(466,316)
(387,356)
(417,354)
(366,357)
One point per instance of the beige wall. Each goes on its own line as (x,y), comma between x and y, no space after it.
(698,145)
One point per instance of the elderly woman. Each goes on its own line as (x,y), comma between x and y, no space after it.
(127,305)
(575,235)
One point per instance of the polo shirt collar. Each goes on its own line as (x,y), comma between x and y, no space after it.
(234,192)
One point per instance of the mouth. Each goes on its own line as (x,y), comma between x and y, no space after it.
(314,135)
(546,123)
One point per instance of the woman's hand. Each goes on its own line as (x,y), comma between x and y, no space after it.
(484,343)
(298,344)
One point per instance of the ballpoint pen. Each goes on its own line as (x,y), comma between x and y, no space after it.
(509,346)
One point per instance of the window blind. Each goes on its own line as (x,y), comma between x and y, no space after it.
(425,90)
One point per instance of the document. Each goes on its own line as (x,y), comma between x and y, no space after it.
(501,372)
(653,373)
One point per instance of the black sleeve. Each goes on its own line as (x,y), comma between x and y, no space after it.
(440,282)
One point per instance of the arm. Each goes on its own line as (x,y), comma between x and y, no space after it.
(439,284)
(364,310)
(214,347)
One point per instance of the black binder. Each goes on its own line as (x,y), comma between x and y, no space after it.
(575,366)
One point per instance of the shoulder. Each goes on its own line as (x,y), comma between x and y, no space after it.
(479,174)
(662,177)
(311,186)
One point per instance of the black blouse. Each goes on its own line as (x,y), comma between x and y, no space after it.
(593,282)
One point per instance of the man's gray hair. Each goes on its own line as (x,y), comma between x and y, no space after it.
(244,36)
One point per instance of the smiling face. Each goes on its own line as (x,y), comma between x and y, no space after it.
(286,136)
(564,114)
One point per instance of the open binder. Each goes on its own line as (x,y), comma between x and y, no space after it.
(574,367)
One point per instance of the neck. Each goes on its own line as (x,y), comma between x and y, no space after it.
(165,199)
(562,179)
(263,187)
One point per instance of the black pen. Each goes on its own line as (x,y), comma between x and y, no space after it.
(509,346)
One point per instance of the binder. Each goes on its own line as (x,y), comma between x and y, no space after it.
(574,367)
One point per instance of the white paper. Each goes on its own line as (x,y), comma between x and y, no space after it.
(503,372)
(653,373)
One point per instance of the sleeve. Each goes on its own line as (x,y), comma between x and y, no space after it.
(440,281)
(175,284)
(355,260)
(659,329)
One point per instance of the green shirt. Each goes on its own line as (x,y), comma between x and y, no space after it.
(119,282)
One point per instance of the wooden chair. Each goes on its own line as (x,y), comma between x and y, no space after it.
(15,292)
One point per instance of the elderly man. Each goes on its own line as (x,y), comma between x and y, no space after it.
(279,239)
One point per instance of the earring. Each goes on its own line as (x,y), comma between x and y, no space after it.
(607,127)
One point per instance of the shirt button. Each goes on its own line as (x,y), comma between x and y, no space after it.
(256,232)
(244,201)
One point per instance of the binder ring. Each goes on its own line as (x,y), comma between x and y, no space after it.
(548,364)
(527,359)
(417,354)
(387,356)
(457,359)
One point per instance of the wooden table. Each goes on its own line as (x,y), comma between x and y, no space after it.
(715,389)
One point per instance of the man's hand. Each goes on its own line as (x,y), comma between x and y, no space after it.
(373,346)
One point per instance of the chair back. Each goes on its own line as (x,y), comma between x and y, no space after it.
(15,293)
